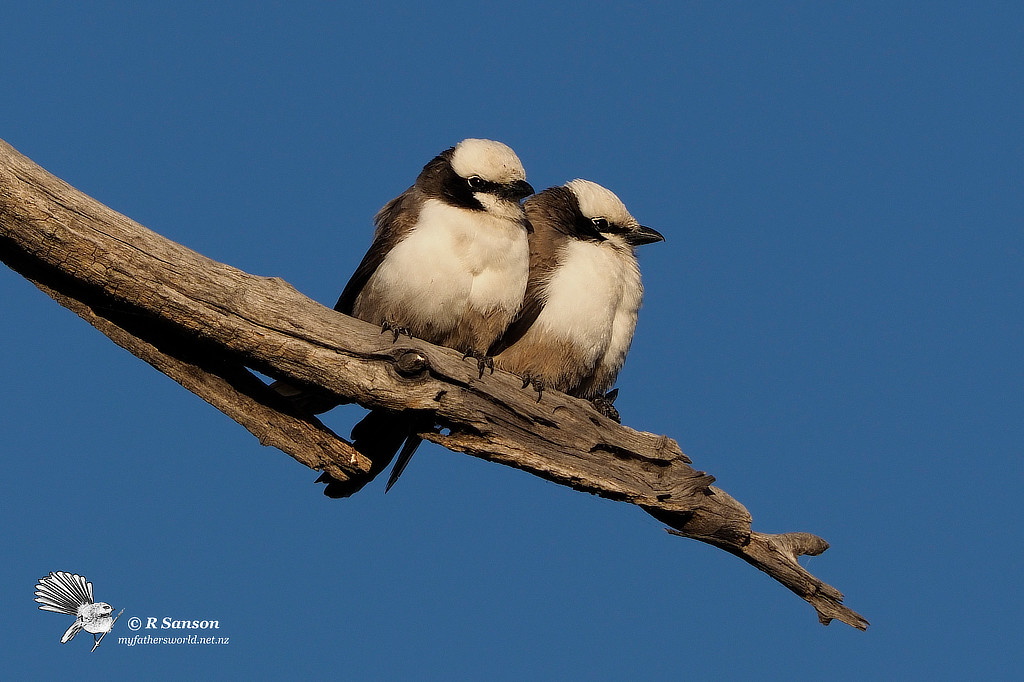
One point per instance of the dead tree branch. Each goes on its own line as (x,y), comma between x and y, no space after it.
(205,324)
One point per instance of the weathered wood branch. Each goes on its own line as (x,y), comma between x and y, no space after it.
(205,324)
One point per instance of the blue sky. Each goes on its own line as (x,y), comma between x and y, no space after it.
(833,329)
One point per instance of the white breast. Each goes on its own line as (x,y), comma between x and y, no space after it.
(623,326)
(592,299)
(454,260)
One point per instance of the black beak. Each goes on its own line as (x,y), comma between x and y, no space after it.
(643,235)
(517,191)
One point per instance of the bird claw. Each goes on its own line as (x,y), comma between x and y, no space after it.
(482,361)
(603,404)
(388,326)
(538,384)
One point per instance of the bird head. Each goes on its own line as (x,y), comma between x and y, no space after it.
(603,217)
(482,175)
(98,610)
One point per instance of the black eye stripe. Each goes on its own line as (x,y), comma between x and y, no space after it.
(478,184)
(603,225)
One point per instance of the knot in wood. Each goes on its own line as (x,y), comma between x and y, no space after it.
(410,363)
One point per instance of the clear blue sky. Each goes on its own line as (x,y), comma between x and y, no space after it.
(833,328)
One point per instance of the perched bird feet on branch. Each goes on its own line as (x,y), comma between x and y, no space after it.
(388,326)
(483,361)
(536,382)
(538,385)
(603,404)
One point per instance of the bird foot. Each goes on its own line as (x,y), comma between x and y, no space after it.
(388,326)
(538,384)
(603,404)
(483,361)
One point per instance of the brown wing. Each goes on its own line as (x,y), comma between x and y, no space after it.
(544,243)
(393,223)
(532,305)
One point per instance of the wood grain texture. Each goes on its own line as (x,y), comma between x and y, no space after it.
(204,324)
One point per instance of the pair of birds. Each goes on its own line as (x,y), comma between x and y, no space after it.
(548,290)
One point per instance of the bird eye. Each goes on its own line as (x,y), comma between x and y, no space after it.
(600,223)
(476,182)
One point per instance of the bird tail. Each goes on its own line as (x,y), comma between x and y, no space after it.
(379,436)
(71,632)
(63,592)
(408,450)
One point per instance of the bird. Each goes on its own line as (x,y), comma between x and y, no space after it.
(581,303)
(70,593)
(448,264)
